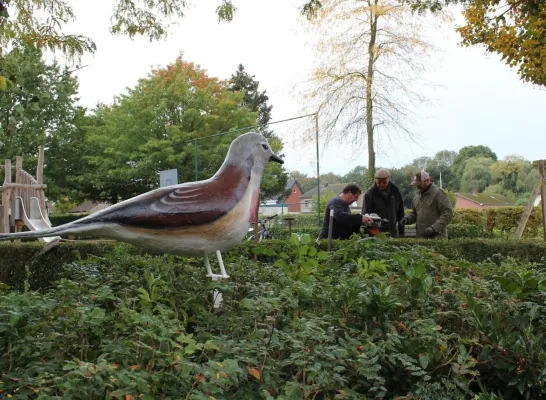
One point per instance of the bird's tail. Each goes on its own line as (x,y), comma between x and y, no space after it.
(57,231)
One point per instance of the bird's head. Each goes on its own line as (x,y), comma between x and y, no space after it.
(252,150)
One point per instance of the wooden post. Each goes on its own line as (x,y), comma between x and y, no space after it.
(5,198)
(40,166)
(4,224)
(539,188)
(17,191)
(256,225)
(18,166)
(289,220)
(528,210)
(542,170)
(7,172)
(330,228)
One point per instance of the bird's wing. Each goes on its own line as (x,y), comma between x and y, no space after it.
(188,204)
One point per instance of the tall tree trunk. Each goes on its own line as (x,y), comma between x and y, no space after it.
(369,94)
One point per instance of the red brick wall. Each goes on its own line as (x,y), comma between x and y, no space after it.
(293,201)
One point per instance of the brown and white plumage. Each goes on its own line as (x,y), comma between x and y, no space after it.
(192,218)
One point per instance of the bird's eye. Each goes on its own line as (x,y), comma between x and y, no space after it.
(265,146)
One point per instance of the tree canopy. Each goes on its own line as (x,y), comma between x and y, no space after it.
(171,119)
(275,176)
(514,29)
(38,107)
(41,23)
(368,55)
(479,170)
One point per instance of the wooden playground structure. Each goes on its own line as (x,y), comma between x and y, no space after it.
(26,193)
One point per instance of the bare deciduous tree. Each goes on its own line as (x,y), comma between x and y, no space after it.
(370,56)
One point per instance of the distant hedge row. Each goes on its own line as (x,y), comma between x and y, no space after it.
(465,223)
(57,220)
(503,220)
(500,219)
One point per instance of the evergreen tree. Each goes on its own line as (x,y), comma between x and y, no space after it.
(241,81)
(275,176)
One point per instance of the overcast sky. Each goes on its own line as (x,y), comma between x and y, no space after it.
(477,98)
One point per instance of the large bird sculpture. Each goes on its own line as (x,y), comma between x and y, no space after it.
(189,219)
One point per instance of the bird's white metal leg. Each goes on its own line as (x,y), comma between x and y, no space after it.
(207,266)
(217,296)
(221,263)
(223,273)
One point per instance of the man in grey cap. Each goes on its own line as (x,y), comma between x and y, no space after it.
(431,210)
(379,197)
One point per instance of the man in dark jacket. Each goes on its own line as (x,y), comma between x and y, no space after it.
(345,223)
(431,210)
(380,195)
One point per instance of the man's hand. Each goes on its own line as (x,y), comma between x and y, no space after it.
(366,219)
(403,221)
(429,232)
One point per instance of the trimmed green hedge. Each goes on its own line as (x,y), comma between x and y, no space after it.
(57,220)
(478,250)
(22,262)
(455,231)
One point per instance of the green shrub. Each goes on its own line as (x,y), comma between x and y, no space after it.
(468,216)
(22,262)
(62,219)
(455,231)
(505,220)
(479,250)
(282,232)
(374,319)
(302,220)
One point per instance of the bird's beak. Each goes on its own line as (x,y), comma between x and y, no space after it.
(276,158)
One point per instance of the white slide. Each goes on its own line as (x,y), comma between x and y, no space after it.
(37,221)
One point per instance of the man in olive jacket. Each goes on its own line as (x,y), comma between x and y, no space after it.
(431,210)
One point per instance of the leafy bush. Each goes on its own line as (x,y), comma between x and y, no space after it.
(62,219)
(283,233)
(302,220)
(480,250)
(506,219)
(455,231)
(375,319)
(20,261)
(468,216)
